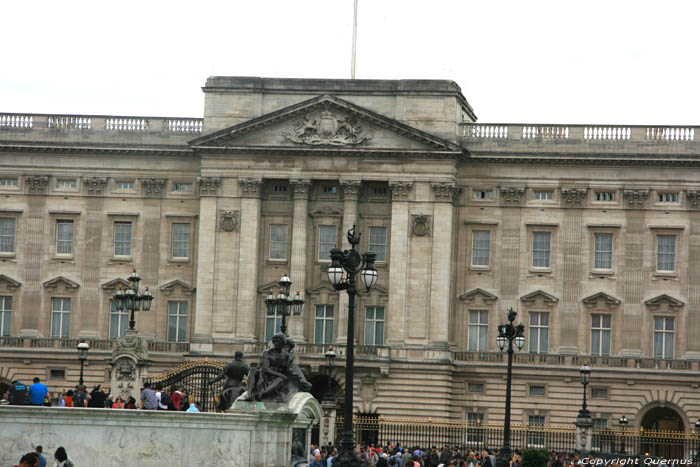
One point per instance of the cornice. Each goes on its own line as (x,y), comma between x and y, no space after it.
(587,160)
(62,148)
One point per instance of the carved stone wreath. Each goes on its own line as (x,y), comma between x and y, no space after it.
(421,225)
(328,130)
(228,220)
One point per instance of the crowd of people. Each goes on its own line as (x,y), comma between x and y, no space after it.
(38,459)
(156,398)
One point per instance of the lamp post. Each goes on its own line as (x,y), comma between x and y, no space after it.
(330,356)
(623,423)
(585,379)
(350,262)
(131,300)
(83,348)
(284,303)
(507,334)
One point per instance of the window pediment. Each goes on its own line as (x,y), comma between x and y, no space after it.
(115,284)
(169,287)
(9,283)
(539,296)
(60,281)
(664,301)
(474,295)
(601,298)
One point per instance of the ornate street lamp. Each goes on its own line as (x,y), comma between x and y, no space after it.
(507,334)
(131,300)
(83,348)
(284,303)
(330,356)
(352,263)
(623,423)
(585,379)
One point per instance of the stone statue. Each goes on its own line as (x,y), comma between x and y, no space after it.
(234,373)
(277,377)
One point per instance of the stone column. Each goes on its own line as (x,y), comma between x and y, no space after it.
(584,433)
(441,280)
(129,366)
(327,427)
(297,273)
(396,316)
(94,224)
(351,189)
(247,300)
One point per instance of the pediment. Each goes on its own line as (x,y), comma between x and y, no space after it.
(57,281)
(173,285)
(664,300)
(9,283)
(323,287)
(115,284)
(376,288)
(327,123)
(601,298)
(477,293)
(539,295)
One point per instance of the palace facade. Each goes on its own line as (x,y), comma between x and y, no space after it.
(591,233)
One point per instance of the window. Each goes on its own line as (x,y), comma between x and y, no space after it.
(279,188)
(374,325)
(600,442)
(380,191)
(278,241)
(605,196)
(183,187)
(477,388)
(377,242)
(544,195)
(663,337)
(535,430)
(117,320)
(326,241)
(666,253)
(273,321)
(6,181)
(481,247)
(124,186)
(122,239)
(600,335)
(329,189)
(599,393)
(475,429)
(60,317)
(668,197)
(478,329)
(57,373)
(7,234)
(540,249)
(67,184)
(539,332)
(5,315)
(603,250)
(177,321)
(537,390)
(64,237)
(323,325)
(482,194)
(181,240)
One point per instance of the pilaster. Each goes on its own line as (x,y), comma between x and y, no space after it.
(351,190)
(396,316)
(300,191)
(34,248)
(203,325)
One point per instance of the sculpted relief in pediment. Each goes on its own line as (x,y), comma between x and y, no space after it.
(328,129)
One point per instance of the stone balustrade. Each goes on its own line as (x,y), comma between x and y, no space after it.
(95,344)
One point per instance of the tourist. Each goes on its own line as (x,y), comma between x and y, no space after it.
(29,460)
(42,458)
(80,397)
(61,458)
(162,397)
(97,397)
(317,462)
(67,398)
(130,403)
(118,403)
(175,398)
(148,397)
(37,392)
(194,407)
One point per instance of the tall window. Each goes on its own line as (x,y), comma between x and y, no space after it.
(7,235)
(273,321)
(5,315)
(535,430)
(481,247)
(117,320)
(60,317)
(181,240)
(278,241)
(64,237)
(663,337)
(539,332)
(326,241)
(177,321)
(478,330)
(603,248)
(475,432)
(600,442)
(323,325)
(666,253)
(374,325)
(377,242)
(540,249)
(600,334)
(122,239)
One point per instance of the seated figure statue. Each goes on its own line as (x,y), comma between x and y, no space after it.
(277,377)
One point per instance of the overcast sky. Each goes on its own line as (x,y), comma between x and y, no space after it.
(614,61)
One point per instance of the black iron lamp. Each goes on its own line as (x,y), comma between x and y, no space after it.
(130,299)
(330,357)
(585,379)
(284,303)
(83,348)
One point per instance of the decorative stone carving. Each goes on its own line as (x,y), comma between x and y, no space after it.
(125,370)
(636,197)
(153,186)
(672,304)
(228,220)
(9,283)
(129,365)
(448,192)
(530,299)
(328,130)
(694,198)
(420,225)
(608,301)
(573,196)
(327,210)
(250,187)
(95,185)
(301,188)
(351,188)
(208,186)
(368,389)
(512,195)
(68,285)
(486,297)
(400,190)
(36,183)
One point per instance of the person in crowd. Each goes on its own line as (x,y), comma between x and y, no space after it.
(130,403)
(68,398)
(37,392)
(80,397)
(118,403)
(30,459)
(97,397)
(109,401)
(42,458)
(149,401)
(163,398)
(317,462)
(175,398)
(18,393)
(61,458)
(194,407)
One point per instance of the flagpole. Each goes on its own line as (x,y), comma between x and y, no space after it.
(354,42)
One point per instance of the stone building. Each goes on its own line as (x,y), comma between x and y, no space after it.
(591,233)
